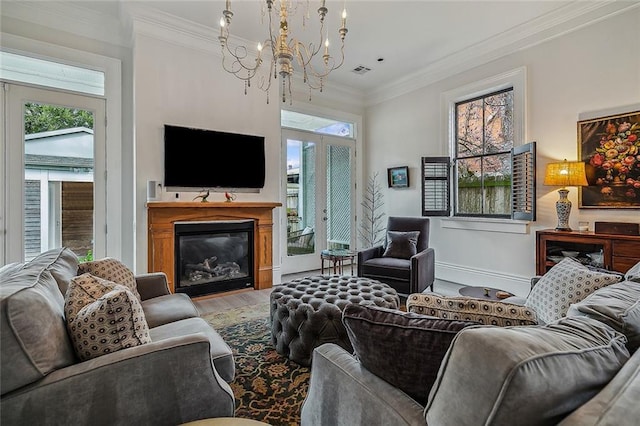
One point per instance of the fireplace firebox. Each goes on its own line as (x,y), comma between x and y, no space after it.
(213,257)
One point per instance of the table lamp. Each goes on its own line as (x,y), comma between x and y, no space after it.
(565,173)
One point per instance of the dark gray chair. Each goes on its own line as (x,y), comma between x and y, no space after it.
(408,275)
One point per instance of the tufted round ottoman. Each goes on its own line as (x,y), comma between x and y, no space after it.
(307,312)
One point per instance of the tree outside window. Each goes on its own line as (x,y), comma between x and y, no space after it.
(484,139)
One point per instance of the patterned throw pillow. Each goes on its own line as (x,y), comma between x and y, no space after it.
(83,290)
(469,309)
(567,282)
(113,322)
(401,245)
(112,270)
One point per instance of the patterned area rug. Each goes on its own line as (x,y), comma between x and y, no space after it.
(268,387)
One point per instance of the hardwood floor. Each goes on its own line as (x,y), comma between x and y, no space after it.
(241,298)
(254,297)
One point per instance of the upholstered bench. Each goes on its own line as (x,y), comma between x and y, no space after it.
(307,312)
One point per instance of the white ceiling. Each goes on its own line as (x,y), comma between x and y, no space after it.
(413,37)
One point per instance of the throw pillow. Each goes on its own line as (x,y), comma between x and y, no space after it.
(633,274)
(113,322)
(403,348)
(401,245)
(532,375)
(470,309)
(112,270)
(567,282)
(618,306)
(83,290)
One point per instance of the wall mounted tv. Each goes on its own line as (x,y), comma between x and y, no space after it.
(197,159)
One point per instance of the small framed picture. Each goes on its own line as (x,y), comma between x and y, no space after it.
(398,177)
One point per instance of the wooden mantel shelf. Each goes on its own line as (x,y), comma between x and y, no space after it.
(162,215)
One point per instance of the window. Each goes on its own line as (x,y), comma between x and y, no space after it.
(482,162)
(491,172)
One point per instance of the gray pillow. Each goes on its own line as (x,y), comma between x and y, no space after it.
(633,274)
(533,375)
(404,349)
(618,306)
(401,245)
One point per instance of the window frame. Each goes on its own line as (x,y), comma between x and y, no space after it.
(514,79)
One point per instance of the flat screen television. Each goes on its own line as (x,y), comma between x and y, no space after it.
(197,159)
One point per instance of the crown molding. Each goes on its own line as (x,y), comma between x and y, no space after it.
(568,18)
(71,18)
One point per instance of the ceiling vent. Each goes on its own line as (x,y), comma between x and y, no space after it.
(361,69)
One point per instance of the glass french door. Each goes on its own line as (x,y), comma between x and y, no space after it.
(54,160)
(319,198)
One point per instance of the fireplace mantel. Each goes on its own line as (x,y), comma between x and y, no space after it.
(162,215)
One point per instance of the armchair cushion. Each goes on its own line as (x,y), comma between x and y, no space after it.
(401,245)
(470,309)
(113,322)
(404,349)
(112,270)
(565,283)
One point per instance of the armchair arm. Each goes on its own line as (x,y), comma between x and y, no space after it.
(152,285)
(423,267)
(170,381)
(366,254)
(343,393)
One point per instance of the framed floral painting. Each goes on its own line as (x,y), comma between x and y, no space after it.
(610,147)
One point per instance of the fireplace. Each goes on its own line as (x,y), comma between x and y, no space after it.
(213,256)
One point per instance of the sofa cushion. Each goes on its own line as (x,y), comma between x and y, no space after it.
(403,348)
(168,308)
(113,322)
(220,352)
(617,404)
(61,262)
(401,245)
(618,306)
(567,282)
(112,270)
(33,336)
(535,374)
(470,309)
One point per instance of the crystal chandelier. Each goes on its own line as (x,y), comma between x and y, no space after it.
(288,53)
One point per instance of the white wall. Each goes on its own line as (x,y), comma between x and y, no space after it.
(174,84)
(587,72)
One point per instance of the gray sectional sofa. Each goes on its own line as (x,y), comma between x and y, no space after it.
(583,369)
(181,376)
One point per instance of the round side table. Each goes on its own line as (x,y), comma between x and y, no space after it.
(486,293)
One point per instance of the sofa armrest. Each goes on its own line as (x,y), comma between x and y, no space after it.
(423,270)
(343,393)
(166,382)
(152,285)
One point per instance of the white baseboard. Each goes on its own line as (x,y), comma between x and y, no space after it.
(464,275)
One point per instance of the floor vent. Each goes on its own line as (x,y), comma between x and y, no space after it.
(361,69)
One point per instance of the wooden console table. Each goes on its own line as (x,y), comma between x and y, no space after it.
(620,252)
(161,217)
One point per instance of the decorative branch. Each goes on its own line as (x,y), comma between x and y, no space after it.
(372,228)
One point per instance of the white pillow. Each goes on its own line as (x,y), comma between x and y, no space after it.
(565,283)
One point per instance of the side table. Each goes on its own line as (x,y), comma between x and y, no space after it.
(337,256)
(486,293)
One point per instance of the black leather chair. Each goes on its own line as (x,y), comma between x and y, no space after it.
(406,276)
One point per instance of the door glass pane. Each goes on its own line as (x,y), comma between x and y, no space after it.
(58,164)
(301,199)
(312,123)
(338,197)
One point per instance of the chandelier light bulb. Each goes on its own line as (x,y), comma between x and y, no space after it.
(344,18)
(259,47)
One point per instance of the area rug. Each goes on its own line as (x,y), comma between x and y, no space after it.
(267,386)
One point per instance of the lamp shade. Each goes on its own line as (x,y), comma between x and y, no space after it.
(566,173)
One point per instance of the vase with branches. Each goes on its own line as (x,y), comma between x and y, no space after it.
(372,225)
